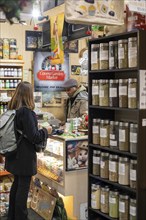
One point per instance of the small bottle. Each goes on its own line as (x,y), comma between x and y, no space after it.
(123,53)
(104,199)
(132,52)
(124,136)
(124,171)
(132,210)
(95,196)
(104,56)
(123,207)
(113,93)
(114,204)
(113,168)
(96,162)
(104,133)
(132,93)
(95,92)
(95,131)
(114,134)
(133,138)
(104,165)
(113,54)
(133,173)
(123,93)
(103,92)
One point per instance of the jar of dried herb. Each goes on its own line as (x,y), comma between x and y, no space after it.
(132,93)
(132,52)
(96,162)
(104,133)
(133,173)
(113,93)
(114,204)
(104,165)
(124,136)
(95,196)
(123,53)
(123,93)
(113,168)
(95,131)
(132,210)
(114,134)
(94,56)
(123,171)
(104,199)
(133,138)
(103,92)
(103,56)
(123,207)
(113,54)
(95,92)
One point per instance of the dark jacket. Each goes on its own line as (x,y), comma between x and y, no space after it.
(24,162)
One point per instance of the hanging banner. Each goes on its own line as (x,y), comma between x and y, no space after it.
(57,23)
(105,12)
(137,6)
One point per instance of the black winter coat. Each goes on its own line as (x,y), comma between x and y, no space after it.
(24,162)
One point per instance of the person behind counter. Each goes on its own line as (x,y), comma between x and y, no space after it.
(23,163)
(77,103)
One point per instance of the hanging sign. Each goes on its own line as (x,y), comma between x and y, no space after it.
(51,75)
(137,6)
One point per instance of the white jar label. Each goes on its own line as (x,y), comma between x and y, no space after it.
(95,90)
(121,53)
(95,129)
(102,164)
(122,90)
(112,200)
(111,62)
(132,93)
(102,199)
(112,136)
(113,143)
(101,93)
(122,135)
(113,92)
(132,52)
(121,169)
(94,57)
(103,132)
(104,55)
(132,175)
(112,166)
(132,211)
(133,137)
(122,207)
(96,160)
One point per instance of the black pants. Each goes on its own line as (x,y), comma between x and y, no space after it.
(18,198)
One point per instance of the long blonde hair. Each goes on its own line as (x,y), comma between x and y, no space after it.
(23,96)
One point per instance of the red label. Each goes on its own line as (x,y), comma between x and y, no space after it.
(56,75)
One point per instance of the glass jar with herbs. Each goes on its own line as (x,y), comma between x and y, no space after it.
(95,131)
(96,162)
(123,207)
(113,203)
(104,165)
(104,200)
(124,171)
(133,137)
(113,54)
(132,210)
(132,93)
(124,136)
(95,92)
(103,56)
(95,196)
(113,168)
(104,133)
(113,93)
(114,134)
(103,92)
(123,53)
(94,56)
(132,52)
(123,93)
(133,173)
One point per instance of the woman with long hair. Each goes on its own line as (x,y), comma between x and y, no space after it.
(23,164)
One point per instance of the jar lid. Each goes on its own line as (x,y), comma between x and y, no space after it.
(96,120)
(123,196)
(94,45)
(133,125)
(103,81)
(105,154)
(104,121)
(123,159)
(93,80)
(132,39)
(113,81)
(96,151)
(113,42)
(123,80)
(124,124)
(133,200)
(114,122)
(132,80)
(133,161)
(103,44)
(122,41)
(106,188)
(112,156)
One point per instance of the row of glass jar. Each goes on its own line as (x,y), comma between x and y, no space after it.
(113,202)
(118,135)
(9,83)
(115,54)
(115,92)
(10,72)
(115,168)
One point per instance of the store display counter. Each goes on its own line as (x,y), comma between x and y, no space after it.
(63,166)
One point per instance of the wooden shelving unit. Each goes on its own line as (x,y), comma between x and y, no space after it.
(137,115)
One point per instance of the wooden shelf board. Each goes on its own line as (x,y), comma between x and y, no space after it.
(102,214)
(10,77)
